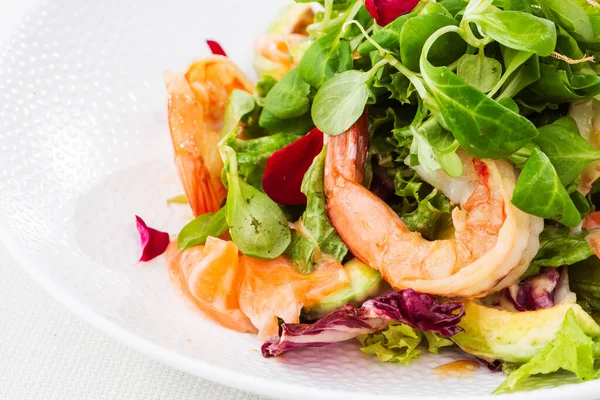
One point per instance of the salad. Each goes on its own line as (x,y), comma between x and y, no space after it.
(408,174)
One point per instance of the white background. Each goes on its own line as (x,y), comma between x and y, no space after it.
(47,353)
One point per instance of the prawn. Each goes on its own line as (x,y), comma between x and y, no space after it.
(196,102)
(273,54)
(493,245)
(274,51)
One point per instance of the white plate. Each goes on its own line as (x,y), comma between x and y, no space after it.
(84,145)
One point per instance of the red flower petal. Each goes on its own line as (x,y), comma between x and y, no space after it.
(153,242)
(216,48)
(286,168)
(385,11)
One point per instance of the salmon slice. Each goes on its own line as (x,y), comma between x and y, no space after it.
(245,293)
(209,276)
(273,289)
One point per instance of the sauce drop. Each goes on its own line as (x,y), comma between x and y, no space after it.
(460,369)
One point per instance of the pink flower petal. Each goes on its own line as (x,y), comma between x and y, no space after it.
(216,48)
(385,11)
(153,242)
(285,168)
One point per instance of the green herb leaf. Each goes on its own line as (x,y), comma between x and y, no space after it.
(510,104)
(571,16)
(559,85)
(387,37)
(323,236)
(479,71)
(571,350)
(417,30)
(539,192)
(289,97)
(294,126)
(518,5)
(521,69)
(435,148)
(519,31)
(340,102)
(252,155)
(568,152)
(198,230)
(256,223)
(324,58)
(239,103)
(483,127)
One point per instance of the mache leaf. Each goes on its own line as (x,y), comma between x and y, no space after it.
(199,229)
(519,30)
(567,150)
(540,192)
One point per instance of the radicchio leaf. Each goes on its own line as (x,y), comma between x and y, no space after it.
(285,168)
(420,311)
(216,48)
(385,11)
(153,242)
(534,293)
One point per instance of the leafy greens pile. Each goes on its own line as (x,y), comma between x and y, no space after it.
(493,77)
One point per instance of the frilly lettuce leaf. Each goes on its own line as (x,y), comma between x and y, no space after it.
(323,237)
(399,343)
(571,350)
(558,247)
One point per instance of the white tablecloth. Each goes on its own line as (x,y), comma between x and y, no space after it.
(47,353)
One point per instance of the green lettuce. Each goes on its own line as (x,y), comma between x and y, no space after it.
(399,343)
(252,155)
(323,237)
(584,280)
(425,214)
(571,350)
(558,247)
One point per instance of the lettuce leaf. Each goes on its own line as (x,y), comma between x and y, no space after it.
(399,343)
(558,247)
(571,350)
(323,237)
(584,280)
(252,155)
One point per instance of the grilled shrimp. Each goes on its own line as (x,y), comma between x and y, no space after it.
(196,102)
(494,241)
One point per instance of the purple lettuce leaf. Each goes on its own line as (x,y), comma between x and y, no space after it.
(534,293)
(420,311)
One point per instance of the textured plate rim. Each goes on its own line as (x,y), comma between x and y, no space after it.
(224,376)
(221,375)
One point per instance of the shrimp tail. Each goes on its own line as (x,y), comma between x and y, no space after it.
(203,193)
(192,142)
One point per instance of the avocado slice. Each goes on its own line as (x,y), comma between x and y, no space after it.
(493,334)
(365,282)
